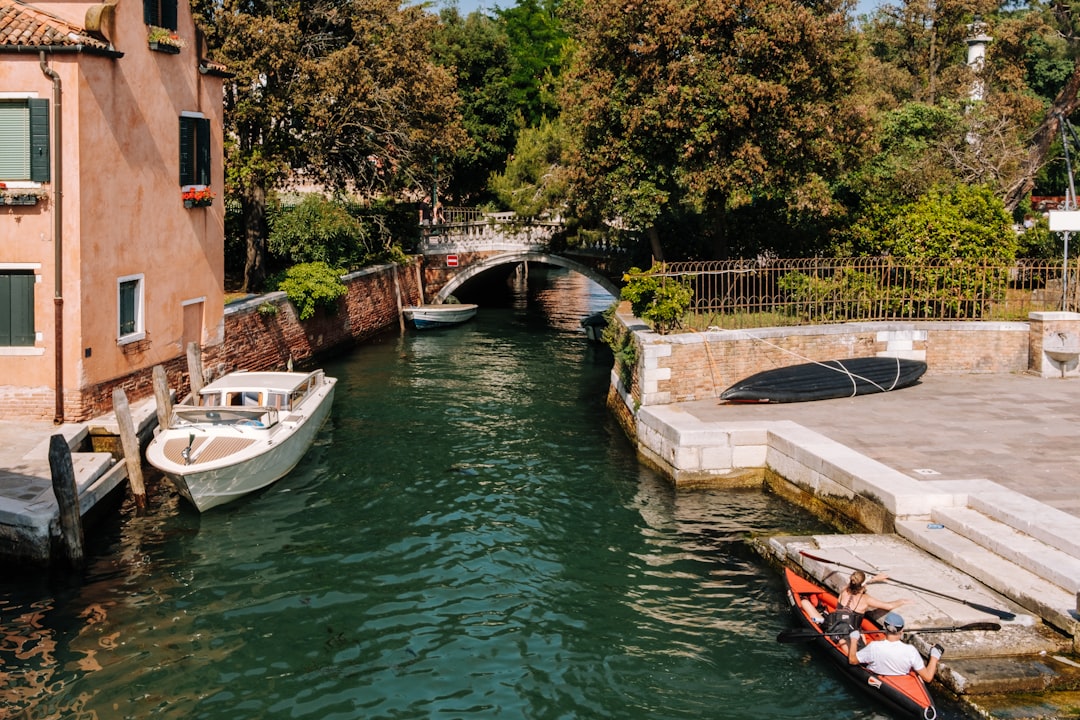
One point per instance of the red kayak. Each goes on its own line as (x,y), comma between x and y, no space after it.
(905,695)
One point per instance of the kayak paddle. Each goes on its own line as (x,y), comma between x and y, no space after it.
(1003,614)
(807,634)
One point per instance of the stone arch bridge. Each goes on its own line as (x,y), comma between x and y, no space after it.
(468,243)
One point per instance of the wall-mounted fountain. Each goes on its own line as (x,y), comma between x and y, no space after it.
(1055,344)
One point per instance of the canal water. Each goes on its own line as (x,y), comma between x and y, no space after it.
(471,536)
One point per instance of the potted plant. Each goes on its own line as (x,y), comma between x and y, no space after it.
(164,40)
(197,197)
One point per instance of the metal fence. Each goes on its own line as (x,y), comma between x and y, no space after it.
(770,291)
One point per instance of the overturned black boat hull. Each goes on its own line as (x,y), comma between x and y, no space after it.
(827,380)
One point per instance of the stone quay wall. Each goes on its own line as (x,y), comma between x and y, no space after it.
(698,366)
(687,367)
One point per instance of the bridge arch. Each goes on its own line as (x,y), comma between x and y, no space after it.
(523,256)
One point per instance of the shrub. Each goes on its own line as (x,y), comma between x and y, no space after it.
(658,300)
(311,285)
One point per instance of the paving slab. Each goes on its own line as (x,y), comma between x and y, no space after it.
(1019,431)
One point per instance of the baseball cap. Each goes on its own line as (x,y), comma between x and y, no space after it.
(893,622)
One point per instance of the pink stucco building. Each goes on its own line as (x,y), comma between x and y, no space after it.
(109,116)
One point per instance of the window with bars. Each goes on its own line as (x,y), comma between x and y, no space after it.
(24,140)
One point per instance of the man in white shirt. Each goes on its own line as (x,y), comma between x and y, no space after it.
(892,656)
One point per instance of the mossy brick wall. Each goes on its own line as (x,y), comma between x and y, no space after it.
(254,340)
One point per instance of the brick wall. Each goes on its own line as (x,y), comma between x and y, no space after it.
(696,366)
(256,338)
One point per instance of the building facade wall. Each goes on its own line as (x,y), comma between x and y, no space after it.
(122,214)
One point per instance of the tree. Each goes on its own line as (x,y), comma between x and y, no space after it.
(340,92)
(537,44)
(477,50)
(536,178)
(703,107)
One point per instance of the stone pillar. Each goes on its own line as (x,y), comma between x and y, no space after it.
(1054,344)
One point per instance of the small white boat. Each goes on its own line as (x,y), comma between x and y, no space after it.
(246,431)
(424,317)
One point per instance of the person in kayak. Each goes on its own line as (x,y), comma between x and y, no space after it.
(892,656)
(851,604)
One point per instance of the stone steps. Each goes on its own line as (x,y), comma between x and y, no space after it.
(1021,549)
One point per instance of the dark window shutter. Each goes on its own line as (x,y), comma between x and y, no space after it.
(39,140)
(150,12)
(168,14)
(17,309)
(187,150)
(203,150)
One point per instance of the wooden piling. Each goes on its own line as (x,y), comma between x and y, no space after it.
(397,296)
(195,369)
(67,498)
(162,398)
(130,442)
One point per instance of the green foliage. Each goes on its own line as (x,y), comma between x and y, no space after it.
(660,301)
(849,295)
(313,285)
(623,346)
(341,233)
(317,230)
(960,222)
(537,43)
(535,179)
(477,50)
(703,108)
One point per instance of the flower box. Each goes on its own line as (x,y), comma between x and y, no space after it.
(17,197)
(164,48)
(201,197)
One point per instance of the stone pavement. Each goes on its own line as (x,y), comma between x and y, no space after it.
(1020,431)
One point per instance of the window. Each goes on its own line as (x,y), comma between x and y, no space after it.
(194,150)
(24,139)
(160,13)
(130,295)
(16,308)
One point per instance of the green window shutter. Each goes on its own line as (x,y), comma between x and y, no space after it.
(39,140)
(168,14)
(17,309)
(14,141)
(203,151)
(187,151)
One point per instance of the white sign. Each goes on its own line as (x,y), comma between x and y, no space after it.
(1064,221)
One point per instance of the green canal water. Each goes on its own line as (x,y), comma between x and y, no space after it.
(471,536)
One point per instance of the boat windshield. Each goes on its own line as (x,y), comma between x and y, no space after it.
(239,417)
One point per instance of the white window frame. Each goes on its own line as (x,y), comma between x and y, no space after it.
(140,306)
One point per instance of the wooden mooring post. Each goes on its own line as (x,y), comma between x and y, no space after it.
(67,498)
(195,370)
(162,398)
(130,442)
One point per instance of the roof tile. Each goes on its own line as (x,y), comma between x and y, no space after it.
(26,25)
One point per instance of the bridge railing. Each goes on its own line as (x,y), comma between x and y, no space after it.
(471,228)
(744,293)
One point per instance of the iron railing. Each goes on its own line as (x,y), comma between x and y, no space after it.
(770,291)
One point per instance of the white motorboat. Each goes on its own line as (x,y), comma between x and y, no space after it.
(244,432)
(424,317)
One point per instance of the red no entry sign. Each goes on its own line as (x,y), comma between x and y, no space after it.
(451,261)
